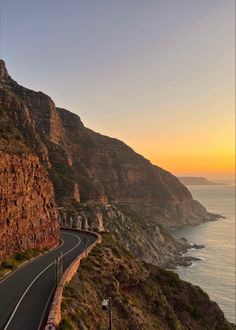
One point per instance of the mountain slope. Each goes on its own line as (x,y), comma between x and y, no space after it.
(90,171)
(28,214)
(87,166)
(143,296)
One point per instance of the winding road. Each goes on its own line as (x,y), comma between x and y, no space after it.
(26,294)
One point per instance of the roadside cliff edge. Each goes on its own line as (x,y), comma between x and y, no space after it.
(28,213)
(100,183)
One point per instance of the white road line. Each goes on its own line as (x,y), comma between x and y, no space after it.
(22,297)
(76,236)
(44,311)
(31,261)
(31,284)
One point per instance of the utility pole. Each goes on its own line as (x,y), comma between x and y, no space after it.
(59,268)
(106,305)
(85,296)
(86,245)
(56,272)
(110,314)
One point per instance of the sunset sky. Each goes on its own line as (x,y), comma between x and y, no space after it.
(158,74)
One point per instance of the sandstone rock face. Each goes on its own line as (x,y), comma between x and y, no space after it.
(84,217)
(28,217)
(144,239)
(87,167)
(110,172)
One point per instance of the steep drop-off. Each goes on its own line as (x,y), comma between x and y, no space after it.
(135,197)
(28,217)
(108,170)
(144,297)
(144,238)
(28,214)
(87,166)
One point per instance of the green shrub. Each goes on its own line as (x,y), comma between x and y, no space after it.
(64,305)
(15,261)
(65,170)
(172,321)
(172,277)
(19,257)
(65,325)
(7,265)
(194,312)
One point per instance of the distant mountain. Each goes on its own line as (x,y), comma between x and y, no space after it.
(197,181)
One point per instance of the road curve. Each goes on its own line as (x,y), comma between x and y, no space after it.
(26,294)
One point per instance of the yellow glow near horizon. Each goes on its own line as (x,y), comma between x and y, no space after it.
(161,79)
(198,164)
(202,145)
(190,158)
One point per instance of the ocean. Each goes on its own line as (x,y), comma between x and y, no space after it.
(215,272)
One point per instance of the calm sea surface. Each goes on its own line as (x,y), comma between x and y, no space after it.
(215,273)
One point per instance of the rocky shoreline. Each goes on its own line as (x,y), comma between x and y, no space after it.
(183,260)
(151,243)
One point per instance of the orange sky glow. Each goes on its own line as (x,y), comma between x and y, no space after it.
(158,75)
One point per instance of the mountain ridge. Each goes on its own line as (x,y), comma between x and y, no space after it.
(198,180)
(88,168)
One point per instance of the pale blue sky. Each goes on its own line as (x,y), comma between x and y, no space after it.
(158,74)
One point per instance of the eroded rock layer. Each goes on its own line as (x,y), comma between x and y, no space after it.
(87,166)
(28,217)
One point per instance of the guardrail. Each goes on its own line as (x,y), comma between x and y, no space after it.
(54,316)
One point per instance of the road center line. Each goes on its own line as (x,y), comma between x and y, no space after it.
(31,261)
(31,284)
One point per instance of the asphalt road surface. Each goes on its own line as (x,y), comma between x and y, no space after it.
(25,296)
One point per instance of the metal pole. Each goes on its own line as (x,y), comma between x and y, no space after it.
(61,265)
(85,297)
(110,314)
(56,271)
(86,243)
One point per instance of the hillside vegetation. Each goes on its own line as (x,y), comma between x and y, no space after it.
(143,296)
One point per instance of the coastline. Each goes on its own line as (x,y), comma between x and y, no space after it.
(214,271)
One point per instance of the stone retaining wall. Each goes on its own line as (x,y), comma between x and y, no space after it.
(55,310)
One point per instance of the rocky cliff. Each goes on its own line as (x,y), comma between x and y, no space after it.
(108,170)
(28,217)
(143,238)
(28,214)
(87,168)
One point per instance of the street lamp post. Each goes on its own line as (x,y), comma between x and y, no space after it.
(106,305)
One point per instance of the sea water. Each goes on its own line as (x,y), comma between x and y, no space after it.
(215,273)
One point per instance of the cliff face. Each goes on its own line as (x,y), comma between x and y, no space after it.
(28,215)
(144,239)
(87,166)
